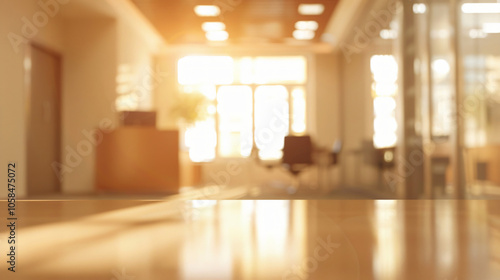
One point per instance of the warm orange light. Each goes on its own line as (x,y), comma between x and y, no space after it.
(234,105)
(298,111)
(201,139)
(207,10)
(307,25)
(271,120)
(195,70)
(385,74)
(311,9)
(217,35)
(213,26)
(280,70)
(303,34)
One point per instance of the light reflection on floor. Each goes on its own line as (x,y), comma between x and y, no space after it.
(267,239)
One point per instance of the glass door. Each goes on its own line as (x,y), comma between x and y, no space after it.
(479,35)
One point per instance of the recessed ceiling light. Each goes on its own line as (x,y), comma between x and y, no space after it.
(491,27)
(419,8)
(303,34)
(481,8)
(217,35)
(311,9)
(477,33)
(306,25)
(388,34)
(213,26)
(207,10)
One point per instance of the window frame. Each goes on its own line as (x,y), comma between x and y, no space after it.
(253,86)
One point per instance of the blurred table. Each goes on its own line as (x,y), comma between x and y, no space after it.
(264,239)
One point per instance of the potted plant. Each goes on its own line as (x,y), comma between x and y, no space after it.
(189,108)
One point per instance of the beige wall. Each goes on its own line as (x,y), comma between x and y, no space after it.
(96,50)
(94,38)
(12,86)
(328,106)
(136,48)
(357,116)
(166,91)
(357,121)
(88,96)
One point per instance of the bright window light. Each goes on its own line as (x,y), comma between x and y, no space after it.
(481,8)
(477,33)
(208,90)
(193,70)
(384,105)
(385,73)
(280,70)
(491,27)
(234,105)
(217,35)
(298,111)
(201,139)
(419,8)
(307,25)
(213,26)
(440,68)
(207,10)
(385,140)
(242,113)
(246,70)
(271,120)
(385,125)
(388,34)
(384,68)
(127,102)
(384,89)
(311,9)
(303,34)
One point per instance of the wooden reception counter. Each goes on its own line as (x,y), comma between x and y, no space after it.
(483,163)
(138,160)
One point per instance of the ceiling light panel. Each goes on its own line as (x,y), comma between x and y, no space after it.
(207,10)
(419,8)
(213,26)
(303,34)
(217,35)
(481,8)
(491,27)
(311,9)
(307,25)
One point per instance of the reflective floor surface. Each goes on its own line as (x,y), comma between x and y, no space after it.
(263,239)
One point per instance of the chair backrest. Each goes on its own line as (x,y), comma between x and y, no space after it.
(369,153)
(297,150)
(138,118)
(337,147)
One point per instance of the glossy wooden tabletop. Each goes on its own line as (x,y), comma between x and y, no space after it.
(263,239)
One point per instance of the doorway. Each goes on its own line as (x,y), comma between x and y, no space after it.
(44,121)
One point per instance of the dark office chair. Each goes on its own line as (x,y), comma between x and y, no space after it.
(336,149)
(378,157)
(297,155)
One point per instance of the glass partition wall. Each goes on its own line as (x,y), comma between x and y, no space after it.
(456,69)
(479,53)
(447,99)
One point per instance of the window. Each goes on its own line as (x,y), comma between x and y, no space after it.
(271,120)
(255,103)
(196,70)
(234,106)
(384,69)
